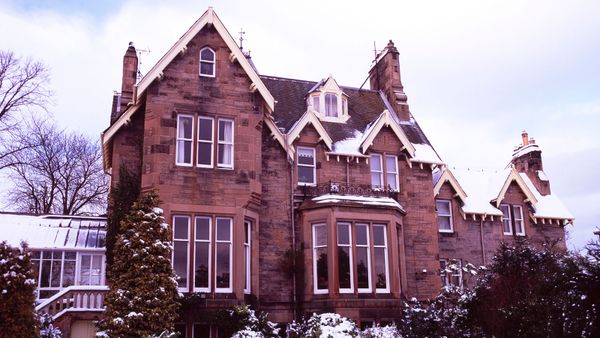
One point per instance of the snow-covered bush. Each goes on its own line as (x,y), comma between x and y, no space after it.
(47,328)
(325,325)
(17,286)
(245,322)
(388,331)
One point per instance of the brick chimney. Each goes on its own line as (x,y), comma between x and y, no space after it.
(385,76)
(527,158)
(130,64)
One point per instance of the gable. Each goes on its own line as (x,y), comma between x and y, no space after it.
(513,176)
(309,118)
(385,120)
(447,178)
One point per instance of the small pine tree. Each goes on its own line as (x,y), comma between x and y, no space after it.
(17,287)
(142,300)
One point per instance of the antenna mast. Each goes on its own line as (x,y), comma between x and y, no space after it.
(140,52)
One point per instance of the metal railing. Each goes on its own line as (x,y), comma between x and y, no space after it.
(347,189)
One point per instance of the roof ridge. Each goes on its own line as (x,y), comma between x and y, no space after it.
(314,82)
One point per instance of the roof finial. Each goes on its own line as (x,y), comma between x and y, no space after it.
(241,32)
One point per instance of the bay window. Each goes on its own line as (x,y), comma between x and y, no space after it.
(307,168)
(247,257)
(380,258)
(223,255)
(205,135)
(320,271)
(202,254)
(444,215)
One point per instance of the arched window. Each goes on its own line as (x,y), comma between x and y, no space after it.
(207,62)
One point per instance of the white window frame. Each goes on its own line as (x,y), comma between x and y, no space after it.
(224,143)
(379,158)
(327,111)
(518,217)
(447,274)
(178,139)
(316,103)
(387,262)
(315,259)
(313,166)
(211,142)
(438,214)
(230,242)
(369,265)
(79,265)
(388,172)
(248,257)
(187,265)
(210,251)
(351,263)
(506,218)
(213,62)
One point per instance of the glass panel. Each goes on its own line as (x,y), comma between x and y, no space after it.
(201,331)
(56,270)
(180,262)
(223,261)
(207,55)
(321,254)
(444,222)
(391,181)
(185,127)
(375,162)
(202,264)
(207,68)
(379,235)
(35,254)
(203,228)
(343,234)
(344,267)
(443,207)
(45,274)
(306,175)
(380,269)
(70,255)
(204,153)
(205,129)
(390,164)
(68,273)
(246,232)
(223,229)
(84,278)
(362,267)
(225,131)
(184,149)
(92,238)
(224,153)
(306,156)
(35,265)
(320,235)
(180,227)
(376,180)
(81,238)
(331,105)
(96,272)
(101,239)
(316,103)
(361,234)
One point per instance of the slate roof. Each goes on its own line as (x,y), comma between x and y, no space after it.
(364,107)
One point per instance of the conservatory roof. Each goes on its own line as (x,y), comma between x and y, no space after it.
(53,231)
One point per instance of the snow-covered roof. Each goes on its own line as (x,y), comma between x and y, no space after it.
(363,200)
(525,150)
(548,206)
(424,153)
(481,188)
(53,231)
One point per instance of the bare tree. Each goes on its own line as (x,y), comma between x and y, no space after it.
(23,87)
(57,172)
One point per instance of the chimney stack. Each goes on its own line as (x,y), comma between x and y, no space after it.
(385,76)
(130,69)
(527,158)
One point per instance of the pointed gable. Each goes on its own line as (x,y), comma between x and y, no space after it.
(446,176)
(309,118)
(385,120)
(513,176)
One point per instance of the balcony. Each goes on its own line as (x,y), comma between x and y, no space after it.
(337,188)
(77,298)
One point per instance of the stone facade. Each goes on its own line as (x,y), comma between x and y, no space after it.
(263,188)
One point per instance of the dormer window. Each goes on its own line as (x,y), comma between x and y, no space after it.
(207,62)
(331,105)
(328,101)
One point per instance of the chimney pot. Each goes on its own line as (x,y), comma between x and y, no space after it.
(525,138)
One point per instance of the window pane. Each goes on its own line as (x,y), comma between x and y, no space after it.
(375,162)
(207,68)
(320,235)
(331,105)
(391,181)
(55,273)
(68,273)
(344,267)
(376,180)
(45,274)
(306,175)
(443,207)
(200,331)
(225,130)
(223,263)
(185,127)
(343,234)
(204,153)
(362,267)
(223,229)
(390,164)
(184,151)
(86,263)
(444,223)
(205,129)
(379,235)
(225,154)
(96,272)
(70,255)
(316,103)
(202,228)
(306,156)
(207,55)
(380,268)
(321,254)
(180,227)
(202,264)
(361,234)
(180,262)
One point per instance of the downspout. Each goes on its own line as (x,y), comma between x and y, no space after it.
(482,243)
(293,226)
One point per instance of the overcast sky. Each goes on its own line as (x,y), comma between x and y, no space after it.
(476,73)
